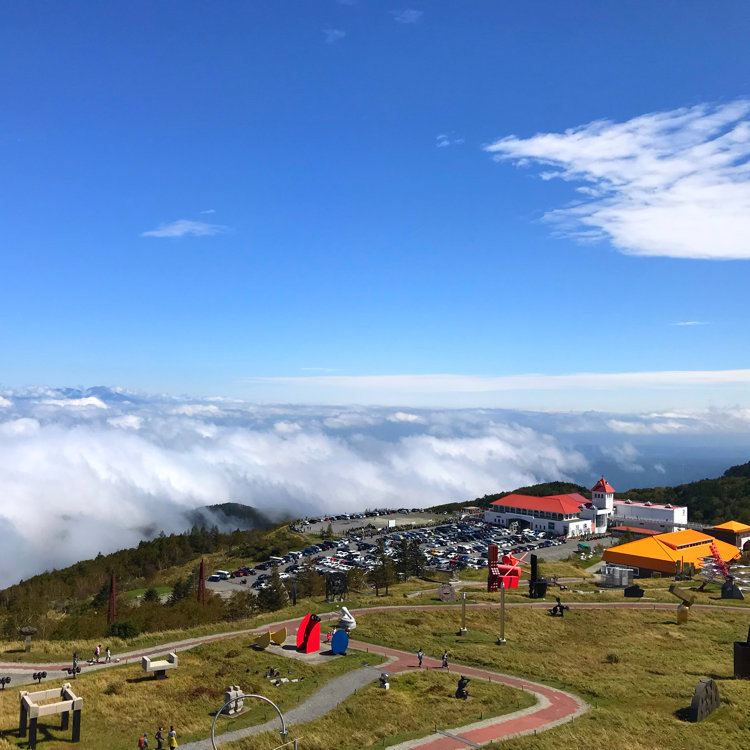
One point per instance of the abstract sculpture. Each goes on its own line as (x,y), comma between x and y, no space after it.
(234,694)
(687,601)
(537,585)
(308,634)
(705,700)
(278,636)
(337,586)
(508,571)
(384,681)
(340,642)
(31,711)
(742,659)
(346,620)
(559,609)
(461,691)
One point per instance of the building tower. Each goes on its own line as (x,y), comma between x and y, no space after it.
(603,496)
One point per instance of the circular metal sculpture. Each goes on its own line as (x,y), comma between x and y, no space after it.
(284,730)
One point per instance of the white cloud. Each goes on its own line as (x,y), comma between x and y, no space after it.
(184,228)
(673,183)
(333,35)
(448,139)
(5,403)
(402,416)
(104,481)
(209,211)
(691,323)
(77,403)
(625,456)
(407,15)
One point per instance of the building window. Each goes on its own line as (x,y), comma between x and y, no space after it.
(551,525)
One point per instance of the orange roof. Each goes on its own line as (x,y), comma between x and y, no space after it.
(733,526)
(552,503)
(661,552)
(602,486)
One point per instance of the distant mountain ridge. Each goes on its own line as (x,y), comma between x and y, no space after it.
(230,516)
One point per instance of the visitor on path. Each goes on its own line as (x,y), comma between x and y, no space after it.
(172,737)
(159,737)
(107,655)
(143,740)
(445,660)
(420,656)
(97,651)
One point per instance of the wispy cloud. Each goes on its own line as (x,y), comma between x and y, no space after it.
(691,323)
(185,227)
(408,15)
(209,211)
(448,139)
(673,183)
(333,35)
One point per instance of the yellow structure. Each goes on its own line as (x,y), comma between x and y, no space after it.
(279,636)
(662,553)
(263,640)
(734,532)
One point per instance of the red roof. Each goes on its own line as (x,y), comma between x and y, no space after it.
(552,503)
(602,486)
(636,530)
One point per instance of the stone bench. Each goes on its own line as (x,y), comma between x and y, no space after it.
(160,666)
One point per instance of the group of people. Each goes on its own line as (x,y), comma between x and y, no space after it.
(171,738)
(420,656)
(98,653)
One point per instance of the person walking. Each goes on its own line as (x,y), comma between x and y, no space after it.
(159,737)
(445,660)
(172,737)
(143,740)
(97,651)
(420,656)
(107,655)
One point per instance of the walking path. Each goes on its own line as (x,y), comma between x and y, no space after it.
(552,708)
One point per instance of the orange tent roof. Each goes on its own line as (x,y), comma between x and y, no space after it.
(661,552)
(733,526)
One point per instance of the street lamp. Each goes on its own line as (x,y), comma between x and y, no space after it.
(284,731)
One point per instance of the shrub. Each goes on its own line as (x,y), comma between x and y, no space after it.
(612,659)
(123,630)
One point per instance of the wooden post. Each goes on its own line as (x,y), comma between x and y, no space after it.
(32,733)
(22,721)
(76,726)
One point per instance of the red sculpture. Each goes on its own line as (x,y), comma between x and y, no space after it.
(308,634)
(507,572)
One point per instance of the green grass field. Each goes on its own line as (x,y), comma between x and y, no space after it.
(416,704)
(122,702)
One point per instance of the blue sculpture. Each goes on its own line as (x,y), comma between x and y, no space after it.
(340,642)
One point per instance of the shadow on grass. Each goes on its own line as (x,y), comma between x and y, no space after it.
(135,680)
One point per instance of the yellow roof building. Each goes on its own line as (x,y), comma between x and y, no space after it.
(663,551)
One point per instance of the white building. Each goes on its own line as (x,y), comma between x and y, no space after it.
(558,514)
(648,515)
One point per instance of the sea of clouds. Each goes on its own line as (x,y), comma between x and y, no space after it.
(84,471)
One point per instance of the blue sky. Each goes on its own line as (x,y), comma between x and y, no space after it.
(361,192)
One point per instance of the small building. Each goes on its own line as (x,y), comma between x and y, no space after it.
(648,515)
(733,532)
(662,553)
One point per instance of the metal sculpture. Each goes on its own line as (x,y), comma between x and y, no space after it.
(340,642)
(634,591)
(201,595)
(537,584)
(308,634)
(508,570)
(384,683)
(687,601)
(337,586)
(3,682)
(39,676)
(461,691)
(559,609)
(742,659)
(705,699)
(112,602)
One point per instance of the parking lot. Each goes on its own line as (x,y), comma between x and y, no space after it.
(446,544)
